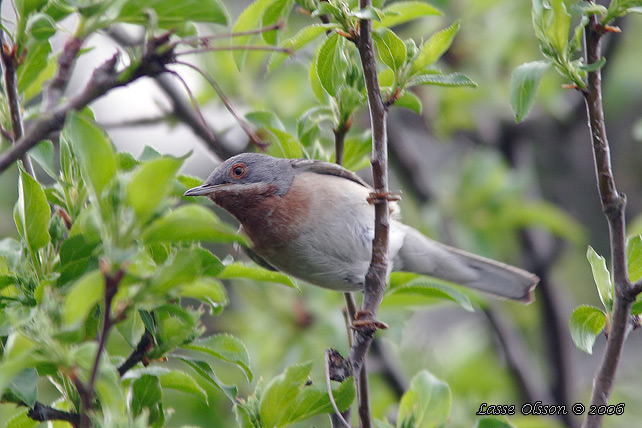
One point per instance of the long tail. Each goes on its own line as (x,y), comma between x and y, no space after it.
(422,255)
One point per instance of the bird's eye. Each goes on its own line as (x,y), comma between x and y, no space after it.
(238,170)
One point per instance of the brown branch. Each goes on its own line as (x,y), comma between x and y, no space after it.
(375,283)
(104,79)
(9,60)
(613,205)
(42,413)
(111,287)
(139,354)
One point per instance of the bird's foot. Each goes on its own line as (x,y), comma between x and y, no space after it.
(365,319)
(379,196)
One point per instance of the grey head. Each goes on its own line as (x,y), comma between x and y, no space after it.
(248,169)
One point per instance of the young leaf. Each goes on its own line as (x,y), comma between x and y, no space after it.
(390,48)
(248,20)
(438,79)
(634,257)
(602,277)
(586,323)
(227,348)
(93,149)
(204,369)
(207,290)
(239,270)
(296,42)
(32,212)
(426,404)
(428,287)
(83,296)
(150,183)
(43,153)
(145,393)
(331,64)
(191,223)
(410,101)
(489,422)
(181,381)
(434,48)
(404,11)
(523,87)
(171,13)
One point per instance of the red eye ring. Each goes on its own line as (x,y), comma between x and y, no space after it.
(238,170)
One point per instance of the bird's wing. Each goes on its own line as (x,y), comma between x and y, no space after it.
(326,168)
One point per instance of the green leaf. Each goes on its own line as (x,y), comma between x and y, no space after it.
(21,420)
(227,348)
(94,151)
(150,183)
(288,398)
(559,26)
(405,11)
(25,386)
(634,257)
(490,422)
(523,87)
(426,404)
(438,79)
(83,295)
(331,64)
(256,273)
(410,101)
(207,290)
(181,381)
(249,19)
(434,48)
(191,223)
(586,323)
(32,212)
(204,369)
(34,63)
(43,154)
(145,393)
(602,277)
(296,42)
(272,15)
(390,48)
(171,13)
(432,288)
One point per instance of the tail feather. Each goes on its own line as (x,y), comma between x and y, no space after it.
(422,255)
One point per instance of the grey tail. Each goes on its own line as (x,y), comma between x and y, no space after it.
(422,255)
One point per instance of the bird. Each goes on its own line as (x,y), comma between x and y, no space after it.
(314,220)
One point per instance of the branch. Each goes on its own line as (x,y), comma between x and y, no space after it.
(138,355)
(375,284)
(9,59)
(103,79)
(42,413)
(111,287)
(613,205)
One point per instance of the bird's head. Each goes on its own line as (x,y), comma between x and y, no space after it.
(247,173)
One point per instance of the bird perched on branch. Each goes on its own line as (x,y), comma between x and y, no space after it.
(313,220)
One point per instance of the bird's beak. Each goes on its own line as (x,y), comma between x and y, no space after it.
(202,190)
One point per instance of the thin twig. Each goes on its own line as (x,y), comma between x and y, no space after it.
(338,416)
(613,205)
(244,125)
(236,48)
(375,283)
(8,58)
(104,79)
(204,39)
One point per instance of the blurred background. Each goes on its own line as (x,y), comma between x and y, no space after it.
(468,176)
